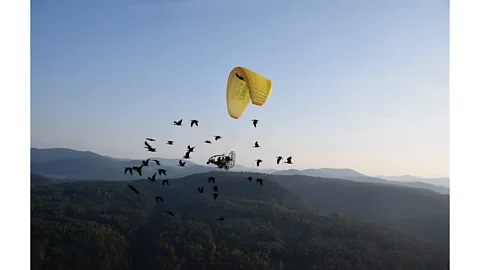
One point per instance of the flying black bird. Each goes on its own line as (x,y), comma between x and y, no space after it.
(145,162)
(134,189)
(256,145)
(150,139)
(217,137)
(128,169)
(260,181)
(170,142)
(200,189)
(289,160)
(215,196)
(165,182)
(211,179)
(190,149)
(249,178)
(156,161)
(178,123)
(152,179)
(215,188)
(138,169)
(181,164)
(158,199)
(240,77)
(207,141)
(149,147)
(170,213)
(279,158)
(187,155)
(193,122)
(258,162)
(255,121)
(152,149)
(221,218)
(160,171)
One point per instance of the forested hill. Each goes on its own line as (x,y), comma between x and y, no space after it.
(105,225)
(421,212)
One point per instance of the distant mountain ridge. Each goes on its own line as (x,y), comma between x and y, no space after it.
(51,154)
(64,163)
(441,181)
(349,174)
(323,172)
(73,164)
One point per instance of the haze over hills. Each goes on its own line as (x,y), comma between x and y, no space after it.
(441,181)
(422,212)
(323,172)
(353,175)
(72,164)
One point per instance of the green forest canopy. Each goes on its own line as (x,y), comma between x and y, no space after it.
(103,225)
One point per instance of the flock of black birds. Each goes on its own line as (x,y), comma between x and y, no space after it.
(182,163)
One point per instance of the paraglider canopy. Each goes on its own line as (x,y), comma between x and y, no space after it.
(243,86)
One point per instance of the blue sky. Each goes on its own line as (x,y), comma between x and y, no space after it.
(356,84)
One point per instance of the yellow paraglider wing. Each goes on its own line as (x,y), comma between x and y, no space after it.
(243,86)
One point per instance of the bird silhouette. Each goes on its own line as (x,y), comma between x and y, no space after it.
(215,196)
(165,182)
(128,169)
(249,178)
(221,218)
(260,181)
(145,162)
(200,189)
(258,162)
(187,155)
(239,77)
(217,137)
(207,141)
(279,158)
(160,171)
(178,123)
(158,199)
(152,179)
(193,122)
(289,160)
(211,179)
(256,145)
(150,139)
(134,189)
(190,149)
(181,164)
(170,142)
(138,169)
(149,147)
(170,213)
(215,188)
(255,121)
(156,161)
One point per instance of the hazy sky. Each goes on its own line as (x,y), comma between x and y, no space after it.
(356,84)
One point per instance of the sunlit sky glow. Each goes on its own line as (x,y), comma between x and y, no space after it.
(356,84)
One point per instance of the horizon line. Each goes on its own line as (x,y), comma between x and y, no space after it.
(31,147)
